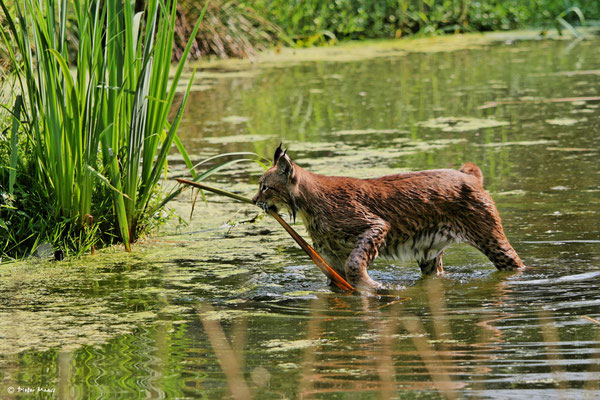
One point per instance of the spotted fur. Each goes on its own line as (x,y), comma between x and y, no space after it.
(409,216)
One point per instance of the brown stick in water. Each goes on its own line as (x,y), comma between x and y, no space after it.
(315,257)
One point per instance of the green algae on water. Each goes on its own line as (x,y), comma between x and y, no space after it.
(235,119)
(520,143)
(366,132)
(565,121)
(279,345)
(236,138)
(461,124)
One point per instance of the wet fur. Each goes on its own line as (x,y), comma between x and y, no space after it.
(408,216)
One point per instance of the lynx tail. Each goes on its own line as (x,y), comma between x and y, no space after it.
(472,169)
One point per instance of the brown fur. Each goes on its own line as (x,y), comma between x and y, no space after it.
(413,215)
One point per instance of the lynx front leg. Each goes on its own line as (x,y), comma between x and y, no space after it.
(491,241)
(502,254)
(367,248)
(429,267)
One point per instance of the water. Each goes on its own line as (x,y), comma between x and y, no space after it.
(221,305)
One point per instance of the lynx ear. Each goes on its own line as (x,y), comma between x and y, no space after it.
(285,166)
(278,152)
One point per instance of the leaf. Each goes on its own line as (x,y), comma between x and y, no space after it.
(232,154)
(14,145)
(184,154)
(106,181)
(219,167)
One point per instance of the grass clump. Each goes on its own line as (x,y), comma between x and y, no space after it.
(229,29)
(88,143)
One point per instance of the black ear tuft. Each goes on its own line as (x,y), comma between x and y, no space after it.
(285,165)
(278,153)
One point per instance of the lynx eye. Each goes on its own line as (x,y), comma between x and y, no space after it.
(264,188)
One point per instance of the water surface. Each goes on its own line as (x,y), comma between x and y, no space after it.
(222,304)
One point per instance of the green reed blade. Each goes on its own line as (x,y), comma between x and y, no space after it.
(161,160)
(14,144)
(185,155)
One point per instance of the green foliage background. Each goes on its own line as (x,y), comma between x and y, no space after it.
(353,19)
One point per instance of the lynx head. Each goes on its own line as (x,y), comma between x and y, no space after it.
(277,185)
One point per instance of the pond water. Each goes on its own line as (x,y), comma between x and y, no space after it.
(227,303)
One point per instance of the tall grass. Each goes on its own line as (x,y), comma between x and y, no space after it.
(229,29)
(101,127)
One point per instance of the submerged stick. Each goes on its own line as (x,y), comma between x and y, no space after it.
(314,256)
(312,253)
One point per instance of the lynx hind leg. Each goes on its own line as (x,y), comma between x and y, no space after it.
(429,267)
(501,253)
(367,248)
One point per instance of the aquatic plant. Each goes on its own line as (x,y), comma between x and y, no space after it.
(101,129)
(560,21)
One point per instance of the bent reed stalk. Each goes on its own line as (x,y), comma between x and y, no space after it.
(101,127)
(312,253)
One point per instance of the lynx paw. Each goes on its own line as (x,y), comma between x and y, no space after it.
(367,284)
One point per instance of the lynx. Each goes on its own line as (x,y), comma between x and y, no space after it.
(414,215)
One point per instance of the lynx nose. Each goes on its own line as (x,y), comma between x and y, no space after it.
(255,198)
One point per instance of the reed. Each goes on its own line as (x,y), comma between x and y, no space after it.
(231,362)
(101,127)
